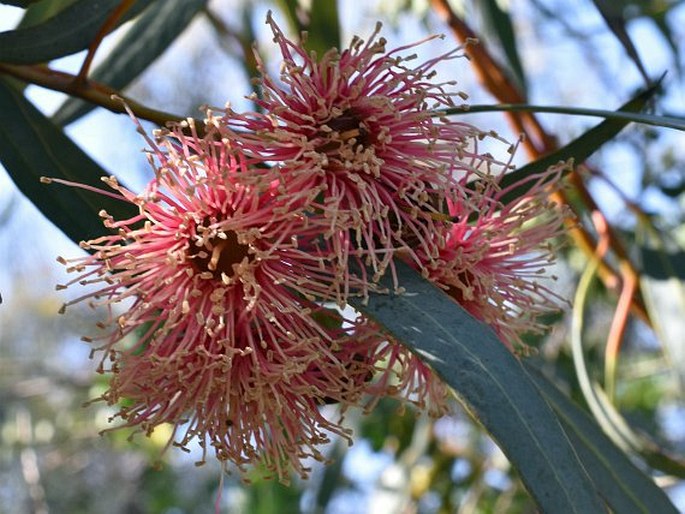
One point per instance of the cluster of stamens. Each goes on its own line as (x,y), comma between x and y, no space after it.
(253,230)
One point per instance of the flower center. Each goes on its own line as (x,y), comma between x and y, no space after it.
(347,129)
(219,253)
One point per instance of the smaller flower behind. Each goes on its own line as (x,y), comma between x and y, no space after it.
(227,342)
(359,126)
(495,260)
(496,254)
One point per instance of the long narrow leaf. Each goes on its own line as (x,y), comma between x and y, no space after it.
(69,31)
(492,383)
(672,122)
(579,149)
(149,37)
(289,9)
(499,24)
(612,12)
(322,23)
(41,10)
(18,3)
(324,26)
(31,146)
(624,487)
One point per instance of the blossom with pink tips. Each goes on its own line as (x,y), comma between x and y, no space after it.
(226,341)
(493,264)
(359,126)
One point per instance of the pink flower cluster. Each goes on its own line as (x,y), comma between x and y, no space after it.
(227,291)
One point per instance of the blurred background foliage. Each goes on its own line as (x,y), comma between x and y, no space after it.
(551,52)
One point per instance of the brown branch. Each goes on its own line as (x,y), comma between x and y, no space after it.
(93,92)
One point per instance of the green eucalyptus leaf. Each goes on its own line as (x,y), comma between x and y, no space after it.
(500,26)
(321,22)
(324,26)
(31,146)
(69,31)
(493,385)
(656,120)
(612,12)
(147,39)
(41,10)
(579,149)
(624,487)
(290,9)
(662,281)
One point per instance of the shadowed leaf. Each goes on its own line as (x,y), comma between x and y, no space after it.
(612,12)
(31,146)
(19,3)
(69,31)
(579,149)
(499,24)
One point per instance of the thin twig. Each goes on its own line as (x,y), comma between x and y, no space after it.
(106,28)
(94,92)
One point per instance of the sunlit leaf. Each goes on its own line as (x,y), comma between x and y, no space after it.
(655,120)
(320,22)
(68,32)
(613,423)
(31,146)
(149,37)
(493,385)
(662,282)
(41,10)
(623,486)
(290,9)
(324,26)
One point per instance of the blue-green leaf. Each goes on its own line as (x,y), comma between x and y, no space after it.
(149,37)
(492,383)
(655,120)
(31,146)
(69,31)
(624,487)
